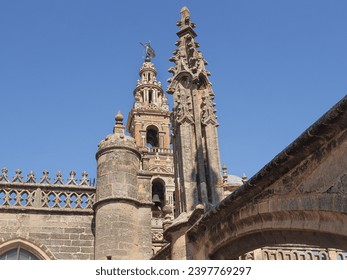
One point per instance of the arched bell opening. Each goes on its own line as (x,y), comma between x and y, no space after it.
(158,197)
(152,136)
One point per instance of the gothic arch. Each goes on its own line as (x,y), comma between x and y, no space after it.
(278,227)
(253,241)
(203,82)
(307,219)
(184,78)
(40,251)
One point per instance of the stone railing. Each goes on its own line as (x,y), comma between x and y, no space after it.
(44,194)
(159,150)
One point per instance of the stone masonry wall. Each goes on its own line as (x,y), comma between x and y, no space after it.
(61,236)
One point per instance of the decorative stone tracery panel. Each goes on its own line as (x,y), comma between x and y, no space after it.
(31,194)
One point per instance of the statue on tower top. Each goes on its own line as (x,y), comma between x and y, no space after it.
(149,51)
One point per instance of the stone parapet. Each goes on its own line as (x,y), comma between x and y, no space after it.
(44,195)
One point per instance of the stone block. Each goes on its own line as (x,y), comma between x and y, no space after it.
(74,230)
(59,236)
(70,249)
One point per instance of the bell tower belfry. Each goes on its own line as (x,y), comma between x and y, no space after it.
(149,119)
(149,124)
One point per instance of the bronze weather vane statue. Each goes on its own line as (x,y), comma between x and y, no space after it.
(149,51)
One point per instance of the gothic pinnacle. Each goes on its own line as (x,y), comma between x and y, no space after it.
(185,14)
(187,57)
(185,24)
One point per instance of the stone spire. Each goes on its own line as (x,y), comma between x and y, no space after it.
(195,138)
(187,57)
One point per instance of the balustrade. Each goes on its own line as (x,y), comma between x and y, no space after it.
(159,150)
(77,195)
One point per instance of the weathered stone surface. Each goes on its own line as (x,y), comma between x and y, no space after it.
(117,208)
(57,244)
(195,138)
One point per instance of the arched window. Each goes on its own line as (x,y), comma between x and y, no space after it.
(18,254)
(152,136)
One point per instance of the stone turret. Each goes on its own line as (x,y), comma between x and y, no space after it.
(122,206)
(195,137)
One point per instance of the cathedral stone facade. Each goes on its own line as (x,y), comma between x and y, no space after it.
(162,193)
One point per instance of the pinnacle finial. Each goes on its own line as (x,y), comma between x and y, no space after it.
(119,118)
(185,22)
(244,177)
(185,11)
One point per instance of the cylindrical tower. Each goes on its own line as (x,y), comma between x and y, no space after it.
(119,233)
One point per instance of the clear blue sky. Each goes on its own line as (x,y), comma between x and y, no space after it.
(67,67)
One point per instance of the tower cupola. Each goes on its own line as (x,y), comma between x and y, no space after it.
(148,93)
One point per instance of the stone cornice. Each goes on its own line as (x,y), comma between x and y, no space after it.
(51,187)
(109,149)
(47,211)
(141,85)
(127,200)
